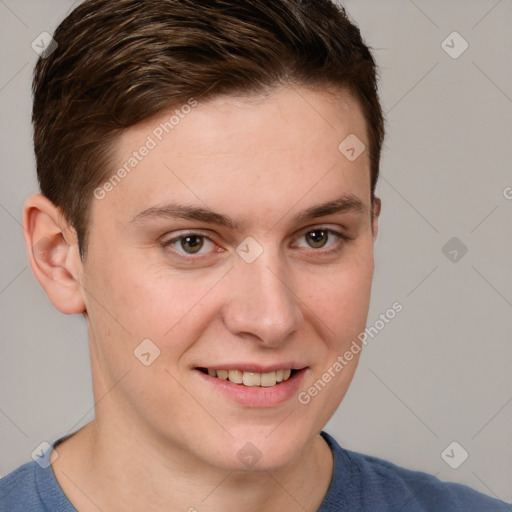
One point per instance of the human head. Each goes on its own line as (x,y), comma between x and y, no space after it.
(101,79)
(258,136)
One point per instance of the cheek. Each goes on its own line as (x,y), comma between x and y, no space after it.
(340,296)
(150,301)
(341,304)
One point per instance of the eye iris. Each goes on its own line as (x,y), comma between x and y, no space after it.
(317,238)
(192,244)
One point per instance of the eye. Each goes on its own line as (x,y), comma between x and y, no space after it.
(189,243)
(317,238)
(322,238)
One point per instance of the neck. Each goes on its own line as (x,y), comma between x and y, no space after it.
(115,469)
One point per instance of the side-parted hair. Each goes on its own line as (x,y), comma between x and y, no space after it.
(120,62)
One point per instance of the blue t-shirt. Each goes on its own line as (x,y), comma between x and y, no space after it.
(359,483)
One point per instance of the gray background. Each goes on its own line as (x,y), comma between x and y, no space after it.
(440,371)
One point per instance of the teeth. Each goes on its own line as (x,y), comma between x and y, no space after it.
(268,379)
(222,374)
(252,379)
(235,376)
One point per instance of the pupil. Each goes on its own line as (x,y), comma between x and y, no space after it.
(318,238)
(194,243)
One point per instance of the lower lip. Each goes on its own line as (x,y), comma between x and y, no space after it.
(256,396)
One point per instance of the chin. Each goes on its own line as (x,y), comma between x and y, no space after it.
(261,452)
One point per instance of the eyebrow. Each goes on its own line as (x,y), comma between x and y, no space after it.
(348,203)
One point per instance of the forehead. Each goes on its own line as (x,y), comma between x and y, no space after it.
(250,154)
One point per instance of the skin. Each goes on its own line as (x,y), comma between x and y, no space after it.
(261,161)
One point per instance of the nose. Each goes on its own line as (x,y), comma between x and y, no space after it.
(262,305)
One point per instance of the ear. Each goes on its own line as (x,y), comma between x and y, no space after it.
(376,206)
(53,253)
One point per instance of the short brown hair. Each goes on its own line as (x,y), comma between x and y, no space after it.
(119,62)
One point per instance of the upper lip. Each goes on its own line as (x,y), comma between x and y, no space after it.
(255,368)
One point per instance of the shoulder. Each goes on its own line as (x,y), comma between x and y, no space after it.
(379,485)
(18,490)
(417,490)
(32,488)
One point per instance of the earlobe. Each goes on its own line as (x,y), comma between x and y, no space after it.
(376,207)
(53,254)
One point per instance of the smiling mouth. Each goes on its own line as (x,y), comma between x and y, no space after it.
(251,379)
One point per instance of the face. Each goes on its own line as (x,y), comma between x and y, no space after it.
(241,245)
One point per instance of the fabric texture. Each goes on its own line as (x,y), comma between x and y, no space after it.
(360,483)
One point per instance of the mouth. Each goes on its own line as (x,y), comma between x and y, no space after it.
(252,386)
(252,379)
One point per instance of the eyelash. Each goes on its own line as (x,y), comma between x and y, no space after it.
(338,245)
